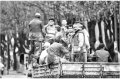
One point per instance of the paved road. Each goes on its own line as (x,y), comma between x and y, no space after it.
(14,74)
(17,76)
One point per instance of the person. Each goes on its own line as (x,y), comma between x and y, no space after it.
(59,34)
(55,53)
(64,28)
(80,43)
(101,54)
(50,30)
(36,34)
(1,66)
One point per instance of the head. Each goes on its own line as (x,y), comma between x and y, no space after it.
(56,39)
(77,26)
(51,40)
(64,22)
(51,21)
(37,15)
(58,28)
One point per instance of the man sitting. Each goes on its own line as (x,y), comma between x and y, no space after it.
(101,54)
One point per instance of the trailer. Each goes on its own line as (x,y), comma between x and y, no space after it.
(78,70)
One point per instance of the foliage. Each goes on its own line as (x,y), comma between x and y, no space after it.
(19,13)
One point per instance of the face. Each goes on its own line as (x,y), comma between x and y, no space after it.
(51,22)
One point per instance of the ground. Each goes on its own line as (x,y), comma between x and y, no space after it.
(13,74)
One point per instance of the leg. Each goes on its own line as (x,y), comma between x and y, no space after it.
(43,57)
(72,57)
(0,74)
(85,56)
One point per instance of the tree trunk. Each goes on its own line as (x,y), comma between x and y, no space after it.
(115,25)
(18,63)
(14,56)
(8,50)
(119,27)
(45,18)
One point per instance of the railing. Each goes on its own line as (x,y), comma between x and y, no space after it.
(79,70)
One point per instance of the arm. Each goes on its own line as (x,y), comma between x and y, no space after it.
(29,26)
(81,39)
(45,29)
(65,52)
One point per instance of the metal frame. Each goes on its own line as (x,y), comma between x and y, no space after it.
(57,70)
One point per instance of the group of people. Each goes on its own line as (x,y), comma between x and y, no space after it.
(62,43)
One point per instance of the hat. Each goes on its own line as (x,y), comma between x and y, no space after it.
(64,22)
(64,40)
(77,25)
(37,14)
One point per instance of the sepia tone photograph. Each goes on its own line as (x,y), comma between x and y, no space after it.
(59,39)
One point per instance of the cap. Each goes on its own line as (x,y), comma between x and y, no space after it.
(78,25)
(37,14)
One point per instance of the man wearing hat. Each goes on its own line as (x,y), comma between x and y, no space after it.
(35,32)
(80,43)
(56,52)
(64,28)
(35,28)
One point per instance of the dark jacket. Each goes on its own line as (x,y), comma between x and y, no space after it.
(35,25)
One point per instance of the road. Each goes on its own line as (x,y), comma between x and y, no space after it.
(14,74)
